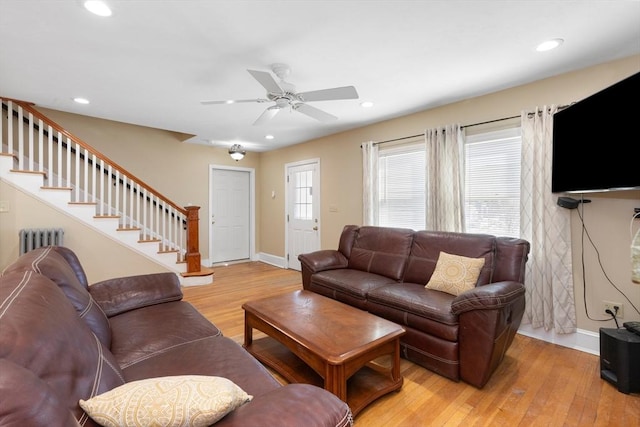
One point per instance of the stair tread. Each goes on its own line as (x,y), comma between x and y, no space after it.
(46,187)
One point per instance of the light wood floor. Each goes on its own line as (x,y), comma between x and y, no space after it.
(537,384)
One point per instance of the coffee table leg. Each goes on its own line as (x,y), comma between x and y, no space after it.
(248,330)
(395,369)
(335,381)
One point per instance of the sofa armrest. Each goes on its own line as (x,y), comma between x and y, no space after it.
(327,259)
(122,294)
(487,297)
(313,262)
(291,405)
(488,319)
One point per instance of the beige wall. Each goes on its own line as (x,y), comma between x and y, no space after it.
(180,171)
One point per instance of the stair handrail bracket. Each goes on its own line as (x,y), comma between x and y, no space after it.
(40,145)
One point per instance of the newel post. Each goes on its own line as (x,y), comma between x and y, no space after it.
(193,245)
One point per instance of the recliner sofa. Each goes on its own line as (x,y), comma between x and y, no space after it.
(384,271)
(63,340)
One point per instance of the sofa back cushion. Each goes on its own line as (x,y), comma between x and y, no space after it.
(347,238)
(42,333)
(381,250)
(49,262)
(511,255)
(29,401)
(427,246)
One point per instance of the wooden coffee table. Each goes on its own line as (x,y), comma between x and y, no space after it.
(316,340)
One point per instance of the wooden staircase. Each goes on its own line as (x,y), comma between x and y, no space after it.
(43,160)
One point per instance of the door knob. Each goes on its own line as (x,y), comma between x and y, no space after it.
(315,228)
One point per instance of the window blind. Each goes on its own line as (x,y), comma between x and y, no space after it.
(492,183)
(401,186)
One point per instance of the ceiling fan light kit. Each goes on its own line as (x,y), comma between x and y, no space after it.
(285,96)
(236,152)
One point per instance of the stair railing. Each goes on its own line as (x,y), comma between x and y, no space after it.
(42,146)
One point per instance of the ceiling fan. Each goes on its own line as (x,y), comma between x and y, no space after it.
(285,96)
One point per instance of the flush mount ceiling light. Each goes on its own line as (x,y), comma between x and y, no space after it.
(366,104)
(269,137)
(236,152)
(549,44)
(97,7)
(81,100)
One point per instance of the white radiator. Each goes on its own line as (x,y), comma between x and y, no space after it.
(31,238)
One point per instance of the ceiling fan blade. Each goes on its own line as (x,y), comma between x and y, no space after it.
(314,112)
(266,115)
(267,81)
(346,92)
(234,101)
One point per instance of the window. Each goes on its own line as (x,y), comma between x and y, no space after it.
(492,183)
(303,203)
(401,186)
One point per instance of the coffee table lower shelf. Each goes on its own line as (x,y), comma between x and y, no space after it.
(366,385)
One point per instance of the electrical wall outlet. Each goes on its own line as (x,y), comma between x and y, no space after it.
(608,305)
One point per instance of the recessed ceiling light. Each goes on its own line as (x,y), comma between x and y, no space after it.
(229,101)
(549,44)
(81,100)
(97,7)
(269,137)
(366,104)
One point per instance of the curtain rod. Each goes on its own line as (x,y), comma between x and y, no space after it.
(531,113)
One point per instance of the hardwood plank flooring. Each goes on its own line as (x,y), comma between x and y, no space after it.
(537,384)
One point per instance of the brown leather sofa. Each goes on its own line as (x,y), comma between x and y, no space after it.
(384,271)
(62,340)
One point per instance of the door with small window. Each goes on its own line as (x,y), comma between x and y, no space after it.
(303,199)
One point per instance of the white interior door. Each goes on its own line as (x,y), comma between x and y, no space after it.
(230,237)
(303,208)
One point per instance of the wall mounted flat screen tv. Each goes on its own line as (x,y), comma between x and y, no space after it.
(596,141)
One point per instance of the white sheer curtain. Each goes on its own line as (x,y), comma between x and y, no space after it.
(445,169)
(369,183)
(548,280)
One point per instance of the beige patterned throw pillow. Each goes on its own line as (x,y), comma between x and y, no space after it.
(455,274)
(186,400)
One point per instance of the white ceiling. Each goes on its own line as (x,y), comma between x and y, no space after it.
(152,62)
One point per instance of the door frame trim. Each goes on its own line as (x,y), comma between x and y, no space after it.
(252,208)
(316,187)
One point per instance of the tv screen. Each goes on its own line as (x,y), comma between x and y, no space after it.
(596,141)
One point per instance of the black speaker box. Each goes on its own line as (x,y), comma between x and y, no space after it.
(619,359)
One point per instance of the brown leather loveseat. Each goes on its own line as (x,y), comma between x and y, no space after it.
(384,271)
(62,340)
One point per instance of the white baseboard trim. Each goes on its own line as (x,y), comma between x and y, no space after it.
(582,340)
(272,259)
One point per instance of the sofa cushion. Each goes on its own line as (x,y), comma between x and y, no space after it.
(193,400)
(215,356)
(381,251)
(427,246)
(71,361)
(346,285)
(455,274)
(411,305)
(142,333)
(49,262)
